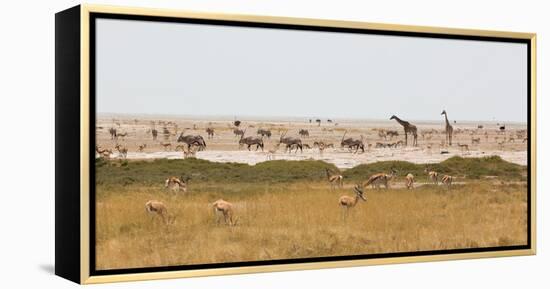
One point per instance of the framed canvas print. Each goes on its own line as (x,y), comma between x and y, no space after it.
(193,144)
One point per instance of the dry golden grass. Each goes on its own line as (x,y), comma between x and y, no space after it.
(281,221)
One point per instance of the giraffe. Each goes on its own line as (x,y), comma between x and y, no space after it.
(408,127)
(448,129)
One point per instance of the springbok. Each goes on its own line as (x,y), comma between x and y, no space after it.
(334,179)
(166,145)
(447,180)
(271,152)
(158,208)
(463,147)
(347,202)
(224,208)
(176,184)
(409,181)
(142,147)
(104,153)
(432,176)
(123,152)
(380,179)
(476,140)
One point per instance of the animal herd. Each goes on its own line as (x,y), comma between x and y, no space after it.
(190,144)
(225,209)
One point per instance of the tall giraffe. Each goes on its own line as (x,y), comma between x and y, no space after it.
(448,129)
(408,127)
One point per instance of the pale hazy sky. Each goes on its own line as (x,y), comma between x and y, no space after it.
(188,69)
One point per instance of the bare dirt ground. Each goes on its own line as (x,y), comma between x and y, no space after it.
(510,144)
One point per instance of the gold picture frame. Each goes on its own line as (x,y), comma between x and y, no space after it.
(73,71)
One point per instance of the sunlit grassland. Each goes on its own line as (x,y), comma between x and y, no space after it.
(296,218)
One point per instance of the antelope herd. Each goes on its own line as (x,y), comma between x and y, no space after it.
(225,209)
(355,143)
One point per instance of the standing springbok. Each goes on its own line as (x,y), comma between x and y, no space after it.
(123,152)
(271,152)
(224,208)
(432,176)
(347,202)
(380,179)
(447,180)
(158,208)
(334,179)
(409,181)
(166,146)
(176,184)
(141,147)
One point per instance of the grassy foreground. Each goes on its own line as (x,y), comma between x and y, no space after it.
(282,216)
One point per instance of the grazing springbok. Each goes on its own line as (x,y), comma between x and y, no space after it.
(271,152)
(158,208)
(176,184)
(210,132)
(334,179)
(463,147)
(141,147)
(224,208)
(381,179)
(432,176)
(123,152)
(189,153)
(347,202)
(476,140)
(166,146)
(447,180)
(409,181)
(321,145)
